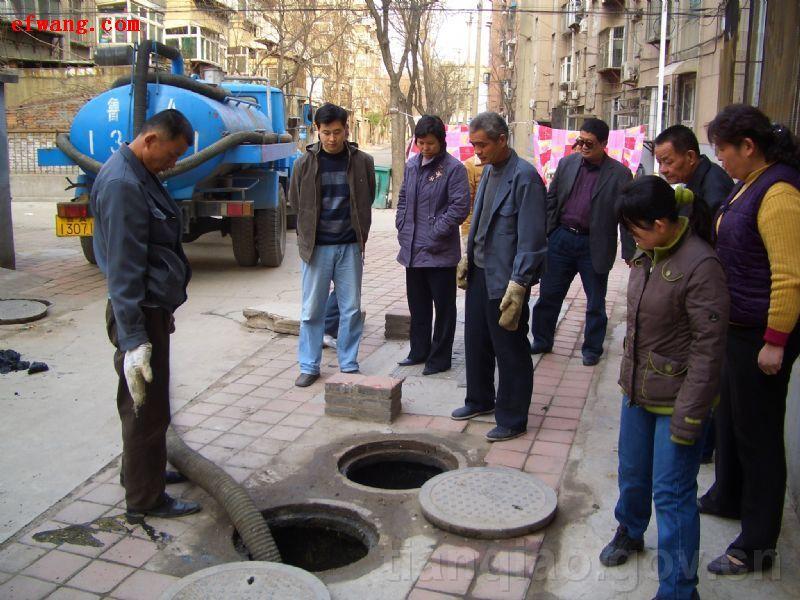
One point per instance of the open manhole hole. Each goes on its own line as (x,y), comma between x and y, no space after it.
(396,464)
(317,537)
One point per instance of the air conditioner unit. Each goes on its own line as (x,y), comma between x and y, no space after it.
(510,64)
(573,94)
(625,121)
(562,96)
(630,73)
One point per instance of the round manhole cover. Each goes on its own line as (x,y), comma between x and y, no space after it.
(248,580)
(21,311)
(488,502)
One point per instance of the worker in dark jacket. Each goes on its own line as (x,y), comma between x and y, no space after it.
(670,374)
(581,239)
(137,242)
(433,202)
(680,162)
(506,249)
(332,186)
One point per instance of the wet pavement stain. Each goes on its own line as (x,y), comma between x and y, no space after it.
(84,534)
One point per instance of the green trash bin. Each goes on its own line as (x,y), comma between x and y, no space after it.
(383,180)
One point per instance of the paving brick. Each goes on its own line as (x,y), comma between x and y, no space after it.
(235,412)
(217,454)
(520,444)
(564,412)
(507,458)
(555,435)
(520,564)
(558,423)
(131,551)
(268,416)
(569,402)
(252,402)
(550,448)
(450,579)
(253,379)
(15,557)
(457,555)
(490,586)
(25,588)
(226,399)
(100,577)
(201,435)
(311,408)
(106,493)
(220,423)
(249,460)
(238,389)
(239,474)
(267,446)
(233,440)
(282,405)
(56,566)
(545,464)
(105,538)
(187,419)
(143,585)
(412,421)
(296,420)
(253,429)
(447,424)
(266,392)
(81,512)
(65,593)
(285,433)
(420,594)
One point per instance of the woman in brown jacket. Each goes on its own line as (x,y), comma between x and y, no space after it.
(673,348)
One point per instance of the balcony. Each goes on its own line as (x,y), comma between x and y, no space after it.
(611,50)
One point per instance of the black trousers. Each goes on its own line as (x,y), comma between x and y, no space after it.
(428,288)
(487,342)
(751,458)
(144,436)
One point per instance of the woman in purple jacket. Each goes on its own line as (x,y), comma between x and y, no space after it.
(433,202)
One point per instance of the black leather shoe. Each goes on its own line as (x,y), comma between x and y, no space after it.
(465,412)
(408,361)
(723,565)
(619,549)
(537,348)
(433,370)
(168,509)
(169,476)
(306,379)
(502,434)
(590,360)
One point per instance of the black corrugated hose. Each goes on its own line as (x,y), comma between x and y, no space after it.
(233,497)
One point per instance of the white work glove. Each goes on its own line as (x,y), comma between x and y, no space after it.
(137,372)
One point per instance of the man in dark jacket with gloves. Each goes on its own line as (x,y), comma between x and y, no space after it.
(137,242)
(506,249)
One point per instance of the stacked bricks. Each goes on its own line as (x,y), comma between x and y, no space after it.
(398,325)
(362,397)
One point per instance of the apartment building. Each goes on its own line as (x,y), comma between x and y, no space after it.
(576,59)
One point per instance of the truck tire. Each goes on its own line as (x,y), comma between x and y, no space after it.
(271,232)
(243,235)
(88,248)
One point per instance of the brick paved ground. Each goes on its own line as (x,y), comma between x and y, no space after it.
(254,413)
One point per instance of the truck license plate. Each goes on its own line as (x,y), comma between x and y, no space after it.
(81,226)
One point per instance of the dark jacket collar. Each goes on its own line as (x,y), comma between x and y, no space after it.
(150,181)
(138,167)
(696,182)
(314,148)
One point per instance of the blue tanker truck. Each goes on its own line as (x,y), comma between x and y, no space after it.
(234,177)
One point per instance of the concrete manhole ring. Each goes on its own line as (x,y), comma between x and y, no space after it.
(248,581)
(14,311)
(488,502)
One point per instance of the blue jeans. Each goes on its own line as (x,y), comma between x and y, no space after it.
(340,264)
(568,254)
(653,466)
(332,315)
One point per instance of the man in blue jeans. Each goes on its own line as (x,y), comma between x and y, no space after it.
(332,186)
(581,238)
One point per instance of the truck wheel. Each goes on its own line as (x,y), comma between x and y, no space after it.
(243,236)
(88,248)
(271,232)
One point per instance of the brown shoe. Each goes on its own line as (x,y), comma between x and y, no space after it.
(306,379)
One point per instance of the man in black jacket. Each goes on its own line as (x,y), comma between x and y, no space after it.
(582,238)
(137,242)
(679,161)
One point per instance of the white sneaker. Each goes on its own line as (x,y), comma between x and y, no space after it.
(328,341)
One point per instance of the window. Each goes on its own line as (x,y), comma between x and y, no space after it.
(199,44)
(654,21)
(611,48)
(687,87)
(150,23)
(648,110)
(566,69)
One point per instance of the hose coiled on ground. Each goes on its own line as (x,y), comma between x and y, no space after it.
(233,498)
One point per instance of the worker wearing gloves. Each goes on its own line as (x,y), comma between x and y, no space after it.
(137,242)
(506,248)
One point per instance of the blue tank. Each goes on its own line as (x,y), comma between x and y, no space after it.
(106,122)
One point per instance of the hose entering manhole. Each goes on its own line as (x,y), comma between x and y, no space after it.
(246,518)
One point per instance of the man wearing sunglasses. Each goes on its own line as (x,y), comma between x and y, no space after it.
(581,238)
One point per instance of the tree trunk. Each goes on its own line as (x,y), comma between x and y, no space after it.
(398,126)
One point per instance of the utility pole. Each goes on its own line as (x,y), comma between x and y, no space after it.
(469,107)
(475,92)
(662,60)
(7,257)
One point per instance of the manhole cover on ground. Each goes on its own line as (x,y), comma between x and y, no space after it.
(488,502)
(317,537)
(248,580)
(21,311)
(395,464)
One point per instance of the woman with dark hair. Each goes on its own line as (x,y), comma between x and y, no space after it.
(757,240)
(671,363)
(433,202)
